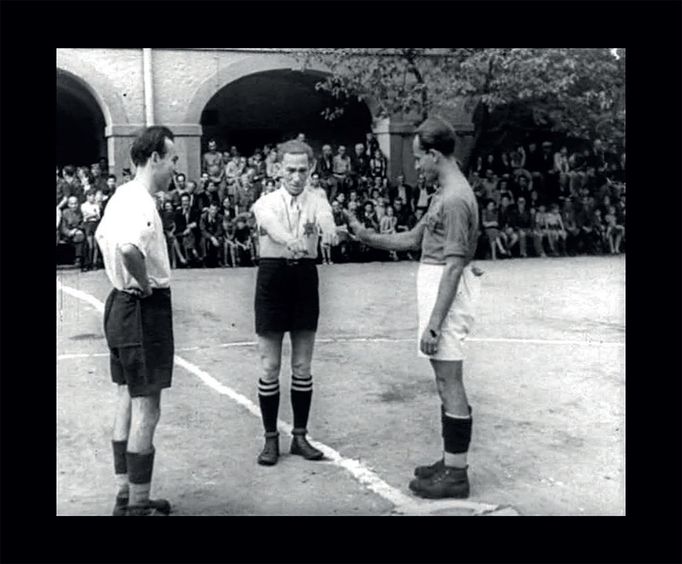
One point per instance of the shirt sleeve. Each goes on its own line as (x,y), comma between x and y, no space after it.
(456,220)
(267,220)
(137,229)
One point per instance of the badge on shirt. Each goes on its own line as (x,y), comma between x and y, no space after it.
(308,228)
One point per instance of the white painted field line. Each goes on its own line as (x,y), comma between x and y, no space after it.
(403,503)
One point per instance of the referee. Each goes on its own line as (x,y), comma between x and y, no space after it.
(447,290)
(290,222)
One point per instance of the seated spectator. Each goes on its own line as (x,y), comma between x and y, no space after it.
(272,166)
(233,171)
(187,229)
(517,160)
(387,225)
(521,222)
(212,235)
(229,243)
(70,185)
(505,219)
(379,184)
(98,177)
(504,165)
(491,227)
(571,227)
(246,192)
(504,189)
(489,184)
(556,233)
(168,222)
(600,230)
(402,215)
(341,198)
(589,235)
(214,195)
(423,193)
(614,231)
(341,222)
(72,230)
(92,214)
(549,176)
(404,192)
(269,186)
(534,199)
(242,242)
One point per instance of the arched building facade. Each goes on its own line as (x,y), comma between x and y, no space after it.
(243,97)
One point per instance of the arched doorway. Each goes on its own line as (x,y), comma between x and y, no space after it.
(274,105)
(80,123)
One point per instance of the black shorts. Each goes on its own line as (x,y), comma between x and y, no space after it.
(139,334)
(287,296)
(90,227)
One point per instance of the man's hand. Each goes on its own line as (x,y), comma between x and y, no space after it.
(297,247)
(143,293)
(429,341)
(214,241)
(329,239)
(356,227)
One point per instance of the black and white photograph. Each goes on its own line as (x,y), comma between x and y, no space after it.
(341,282)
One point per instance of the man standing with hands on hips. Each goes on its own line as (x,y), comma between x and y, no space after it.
(447,289)
(287,299)
(138,319)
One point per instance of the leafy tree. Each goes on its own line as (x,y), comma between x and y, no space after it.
(576,92)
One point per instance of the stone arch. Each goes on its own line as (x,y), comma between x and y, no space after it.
(96,84)
(249,65)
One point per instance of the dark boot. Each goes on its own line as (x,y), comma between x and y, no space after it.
(301,446)
(270,452)
(447,482)
(121,506)
(428,471)
(155,508)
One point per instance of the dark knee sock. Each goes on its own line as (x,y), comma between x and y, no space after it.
(140,469)
(456,434)
(301,396)
(120,466)
(268,397)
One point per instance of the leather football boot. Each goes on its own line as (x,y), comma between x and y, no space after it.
(430,470)
(270,452)
(154,508)
(446,482)
(121,506)
(301,446)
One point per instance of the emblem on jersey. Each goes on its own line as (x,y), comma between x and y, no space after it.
(308,228)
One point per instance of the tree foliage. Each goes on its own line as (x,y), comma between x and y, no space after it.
(577,92)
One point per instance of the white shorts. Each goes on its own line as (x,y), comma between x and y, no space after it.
(460,318)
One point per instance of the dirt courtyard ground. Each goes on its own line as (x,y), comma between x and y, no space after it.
(545,375)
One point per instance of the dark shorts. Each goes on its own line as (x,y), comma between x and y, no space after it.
(139,334)
(90,227)
(287,296)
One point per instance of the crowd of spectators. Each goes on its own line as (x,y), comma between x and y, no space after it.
(566,204)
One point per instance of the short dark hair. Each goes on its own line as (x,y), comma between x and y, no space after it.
(436,133)
(184,196)
(69,170)
(177,176)
(91,192)
(149,140)
(295,147)
(111,176)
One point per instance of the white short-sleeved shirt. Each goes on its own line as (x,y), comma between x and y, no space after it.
(132,218)
(281,217)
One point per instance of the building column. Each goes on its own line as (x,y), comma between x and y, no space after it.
(395,141)
(187,143)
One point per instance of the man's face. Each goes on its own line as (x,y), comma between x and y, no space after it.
(111,183)
(164,167)
(401,179)
(191,187)
(359,149)
(341,197)
(180,181)
(398,204)
(184,202)
(204,177)
(597,145)
(424,162)
(489,174)
(211,187)
(342,150)
(336,206)
(95,170)
(326,150)
(73,203)
(211,146)
(295,172)
(523,181)
(212,210)
(315,181)
(521,202)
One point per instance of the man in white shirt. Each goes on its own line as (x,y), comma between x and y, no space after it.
(290,221)
(138,318)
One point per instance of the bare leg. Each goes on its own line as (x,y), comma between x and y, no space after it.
(449,381)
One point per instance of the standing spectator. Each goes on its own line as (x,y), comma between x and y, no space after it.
(315,187)
(562,170)
(246,193)
(371,144)
(92,214)
(588,237)
(71,186)
(550,180)
(401,190)
(272,165)
(599,229)
(105,194)
(491,227)
(540,230)
(360,169)
(233,171)
(180,188)
(212,236)
(342,169)
(517,160)
(614,231)
(98,180)
(325,168)
(387,226)
(212,164)
(377,164)
(489,184)
(556,232)
(423,193)
(72,230)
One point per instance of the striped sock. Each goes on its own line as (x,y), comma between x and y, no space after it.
(301,396)
(268,397)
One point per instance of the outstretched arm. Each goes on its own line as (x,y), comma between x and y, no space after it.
(403,241)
